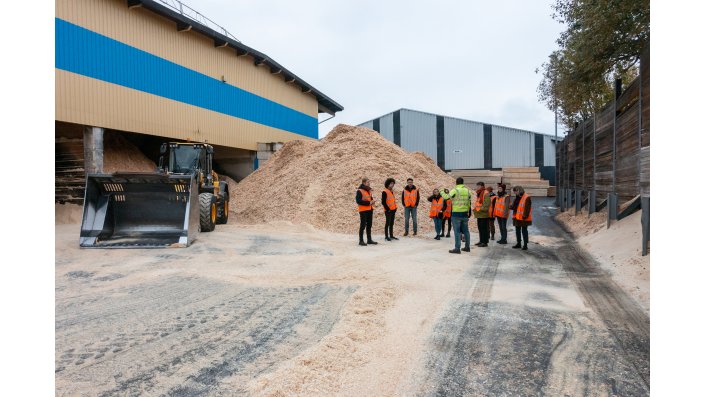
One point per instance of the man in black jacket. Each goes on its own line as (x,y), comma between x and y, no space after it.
(365,201)
(410,199)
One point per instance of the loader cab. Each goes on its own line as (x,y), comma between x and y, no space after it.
(187,158)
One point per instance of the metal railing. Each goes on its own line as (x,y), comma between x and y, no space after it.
(196,16)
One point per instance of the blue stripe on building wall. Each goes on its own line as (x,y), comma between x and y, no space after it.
(82,51)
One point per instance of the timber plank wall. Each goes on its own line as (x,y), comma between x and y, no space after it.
(610,151)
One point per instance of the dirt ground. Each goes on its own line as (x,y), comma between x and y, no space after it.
(283,309)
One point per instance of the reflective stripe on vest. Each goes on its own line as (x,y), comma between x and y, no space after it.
(480,200)
(449,208)
(518,214)
(366,196)
(499,206)
(391,202)
(493,200)
(409,197)
(436,207)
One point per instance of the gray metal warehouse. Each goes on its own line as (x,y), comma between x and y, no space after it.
(465,144)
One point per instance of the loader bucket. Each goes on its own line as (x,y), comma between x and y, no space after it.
(139,210)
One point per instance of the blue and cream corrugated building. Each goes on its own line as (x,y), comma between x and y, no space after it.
(160,69)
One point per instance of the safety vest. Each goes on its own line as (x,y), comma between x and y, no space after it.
(493,199)
(520,209)
(499,206)
(391,202)
(461,200)
(449,208)
(480,200)
(366,196)
(409,197)
(436,207)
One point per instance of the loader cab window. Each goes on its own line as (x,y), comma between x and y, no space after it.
(184,159)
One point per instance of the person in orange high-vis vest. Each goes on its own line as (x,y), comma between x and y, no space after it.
(365,203)
(501,211)
(390,209)
(410,199)
(436,212)
(493,197)
(522,216)
(447,210)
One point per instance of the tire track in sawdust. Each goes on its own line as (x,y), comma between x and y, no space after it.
(496,348)
(622,315)
(187,347)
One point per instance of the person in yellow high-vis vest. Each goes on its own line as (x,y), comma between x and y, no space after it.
(460,213)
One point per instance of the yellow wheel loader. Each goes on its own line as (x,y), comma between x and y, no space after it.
(166,208)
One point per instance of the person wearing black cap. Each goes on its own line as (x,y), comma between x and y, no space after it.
(522,216)
(501,211)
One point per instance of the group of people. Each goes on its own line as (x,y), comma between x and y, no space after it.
(453,208)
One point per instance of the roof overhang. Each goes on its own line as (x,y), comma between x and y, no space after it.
(184,23)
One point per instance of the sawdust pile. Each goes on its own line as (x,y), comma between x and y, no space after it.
(120,155)
(315,182)
(582,224)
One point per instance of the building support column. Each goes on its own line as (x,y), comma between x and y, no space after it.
(93,149)
(578,201)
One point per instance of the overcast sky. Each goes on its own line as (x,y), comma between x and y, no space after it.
(468,59)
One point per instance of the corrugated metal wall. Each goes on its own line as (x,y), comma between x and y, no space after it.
(463,144)
(463,141)
(418,132)
(512,147)
(83,98)
(549,151)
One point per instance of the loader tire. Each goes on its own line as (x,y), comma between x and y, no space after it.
(223,209)
(208,209)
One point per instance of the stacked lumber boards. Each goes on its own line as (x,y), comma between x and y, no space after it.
(527,177)
(69,175)
(471,177)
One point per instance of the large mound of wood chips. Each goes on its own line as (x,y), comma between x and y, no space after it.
(315,182)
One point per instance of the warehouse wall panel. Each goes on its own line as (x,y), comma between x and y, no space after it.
(142,29)
(549,151)
(463,144)
(386,125)
(512,147)
(418,132)
(84,100)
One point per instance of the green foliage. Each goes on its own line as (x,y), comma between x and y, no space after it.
(602,42)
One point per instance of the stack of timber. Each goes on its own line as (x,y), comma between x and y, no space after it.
(69,176)
(527,177)
(471,177)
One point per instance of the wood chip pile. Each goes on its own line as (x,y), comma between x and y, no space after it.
(315,182)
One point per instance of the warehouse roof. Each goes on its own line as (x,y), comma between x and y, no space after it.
(188,19)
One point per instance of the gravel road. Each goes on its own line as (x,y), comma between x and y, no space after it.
(284,309)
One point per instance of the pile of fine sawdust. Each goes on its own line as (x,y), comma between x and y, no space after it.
(583,224)
(315,182)
(120,155)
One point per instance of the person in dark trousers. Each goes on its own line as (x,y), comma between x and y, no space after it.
(447,208)
(459,213)
(410,199)
(481,210)
(436,212)
(390,209)
(490,220)
(365,202)
(501,211)
(522,216)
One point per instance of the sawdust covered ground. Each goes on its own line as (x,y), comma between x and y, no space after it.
(286,309)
